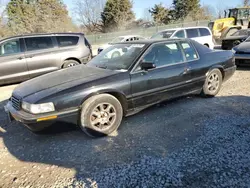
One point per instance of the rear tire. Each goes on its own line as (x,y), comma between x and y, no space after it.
(101,115)
(212,84)
(70,63)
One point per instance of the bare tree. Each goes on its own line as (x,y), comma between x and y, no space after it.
(246,2)
(3,30)
(88,14)
(220,10)
(147,15)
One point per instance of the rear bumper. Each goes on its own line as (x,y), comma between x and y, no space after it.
(229,72)
(40,121)
(86,59)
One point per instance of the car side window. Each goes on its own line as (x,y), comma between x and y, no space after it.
(204,32)
(64,41)
(10,47)
(189,51)
(192,33)
(164,54)
(38,43)
(180,34)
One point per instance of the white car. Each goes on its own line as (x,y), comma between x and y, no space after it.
(203,35)
(119,39)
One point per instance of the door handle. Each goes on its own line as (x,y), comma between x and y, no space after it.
(20,58)
(186,70)
(31,56)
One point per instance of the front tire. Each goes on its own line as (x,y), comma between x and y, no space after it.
(101,115)
(212,84)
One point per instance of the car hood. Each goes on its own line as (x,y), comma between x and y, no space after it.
(236,37)
(243,47)
(79,74)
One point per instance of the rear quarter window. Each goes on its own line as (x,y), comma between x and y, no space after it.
(204,32)
(189,51)
(64,41)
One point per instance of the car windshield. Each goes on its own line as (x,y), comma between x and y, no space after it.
(118,39)
(117,57)
(248,39)
(163,34)
(241,32)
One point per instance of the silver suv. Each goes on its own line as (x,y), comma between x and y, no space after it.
(25,57)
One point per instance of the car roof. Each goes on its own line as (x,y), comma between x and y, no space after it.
(152,41)
(129,36)
(180,28)
(41,34)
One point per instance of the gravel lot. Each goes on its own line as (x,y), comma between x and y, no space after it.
(189,142)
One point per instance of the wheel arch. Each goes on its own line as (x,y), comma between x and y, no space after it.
(71,58)
(206,44)
(220,67)
(117,94)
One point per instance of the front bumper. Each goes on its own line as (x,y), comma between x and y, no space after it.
(37,122)
(242,59)
(229,72)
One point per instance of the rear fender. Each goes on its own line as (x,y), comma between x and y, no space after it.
(220,67)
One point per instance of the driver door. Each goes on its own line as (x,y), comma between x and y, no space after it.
(165,81)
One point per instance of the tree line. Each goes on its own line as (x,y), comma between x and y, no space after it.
(92,16)
(98,16)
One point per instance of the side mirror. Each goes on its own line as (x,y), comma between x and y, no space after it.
(124,50)
(147,65)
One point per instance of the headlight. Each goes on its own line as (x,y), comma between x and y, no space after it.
(38,108)
(233,50)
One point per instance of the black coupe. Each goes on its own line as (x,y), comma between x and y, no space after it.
(98,95)
(242,53)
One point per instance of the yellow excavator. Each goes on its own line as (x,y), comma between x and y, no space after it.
(234,20)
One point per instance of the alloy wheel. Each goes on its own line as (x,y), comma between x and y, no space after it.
(103,116)
(71,64)
(213,82)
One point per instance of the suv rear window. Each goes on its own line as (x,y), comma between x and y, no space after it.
(192,33)
(204,32)
(64,41)
(180,34)
(38,43)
